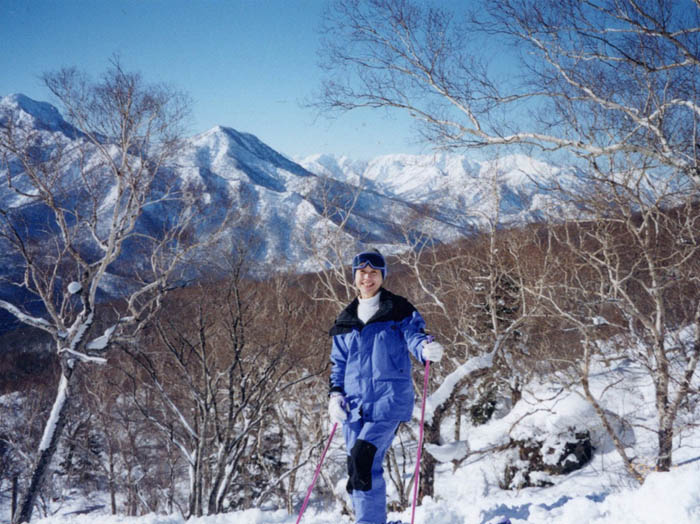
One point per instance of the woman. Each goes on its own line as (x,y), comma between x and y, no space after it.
(371,390)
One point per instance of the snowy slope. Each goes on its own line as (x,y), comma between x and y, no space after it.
(31,113)
(600,493)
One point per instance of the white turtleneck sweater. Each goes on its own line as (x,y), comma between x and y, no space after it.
(367,308)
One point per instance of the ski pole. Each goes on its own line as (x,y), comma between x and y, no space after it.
(416,475)
(318,470)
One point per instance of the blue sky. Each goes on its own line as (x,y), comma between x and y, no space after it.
(247,64)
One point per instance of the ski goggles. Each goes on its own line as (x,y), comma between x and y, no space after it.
(372,259)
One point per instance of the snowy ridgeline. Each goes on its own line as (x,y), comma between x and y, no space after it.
(295,203)
(601,492)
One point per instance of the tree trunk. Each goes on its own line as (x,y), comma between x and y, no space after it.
(662,381)
(14,497)
(665,454)
(47,447)
(195,508)
(428,462)
(458,420)
(112,484)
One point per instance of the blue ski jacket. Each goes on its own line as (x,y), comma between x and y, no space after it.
(370,362)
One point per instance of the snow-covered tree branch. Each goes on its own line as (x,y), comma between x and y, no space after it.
(81,187)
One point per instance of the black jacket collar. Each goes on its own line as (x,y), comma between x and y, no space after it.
(391,307)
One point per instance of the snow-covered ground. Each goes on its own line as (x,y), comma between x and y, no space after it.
(601,492)
(592,495)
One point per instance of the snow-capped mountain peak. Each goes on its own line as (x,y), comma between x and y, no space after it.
(232,154)
(380,201)
(30,113)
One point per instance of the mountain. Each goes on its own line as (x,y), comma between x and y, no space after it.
(30,113)
(467,194)
(285,210)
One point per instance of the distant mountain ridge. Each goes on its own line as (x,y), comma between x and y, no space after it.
(512,190)
(292,205)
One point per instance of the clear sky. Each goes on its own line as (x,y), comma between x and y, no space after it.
(247,64)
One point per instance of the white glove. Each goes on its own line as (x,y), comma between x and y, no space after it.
(336,408)
(432,351)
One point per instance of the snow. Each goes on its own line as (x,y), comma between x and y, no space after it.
(602,492)
(100,343)
(54,417)
(443,392)
(664,498)
(448,452)
(32,112)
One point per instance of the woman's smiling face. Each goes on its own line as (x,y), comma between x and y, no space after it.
(368,280)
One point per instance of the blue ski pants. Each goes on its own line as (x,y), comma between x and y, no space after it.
(367,443)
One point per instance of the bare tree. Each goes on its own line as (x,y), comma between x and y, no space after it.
(631,277)
(80,191)
(17,446)
(472,294)
(332,245)
(611,86)
(217,371)
(596,78)
(126,456)
(303,420)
